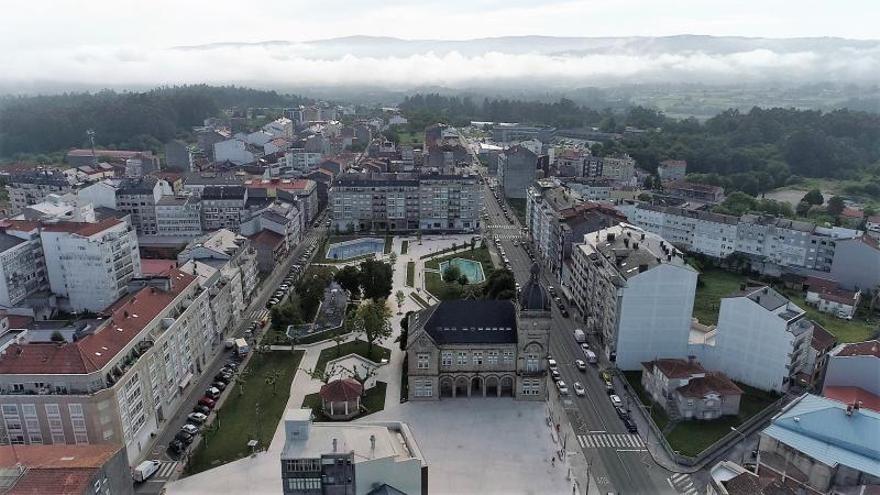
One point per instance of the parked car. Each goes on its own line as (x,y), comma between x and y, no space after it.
(212,392)
(630,425)
(202,409)
(579,389)
(621,412)
(176,446)
(224,377)
(551,363)
(144,470)
(581,365)
(615,400)
(207,402)
(197,418)
(220,385)
(555,375)
(190,428)
(563,312)
(231,365)
(585,346)
(184,437)
(563,388)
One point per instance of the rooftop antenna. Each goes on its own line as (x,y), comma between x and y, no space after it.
(91,134)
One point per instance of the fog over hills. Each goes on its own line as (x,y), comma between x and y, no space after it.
(397,64)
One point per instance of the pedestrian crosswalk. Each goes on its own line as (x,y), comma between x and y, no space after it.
(166,469)
(683,483)
(611,441)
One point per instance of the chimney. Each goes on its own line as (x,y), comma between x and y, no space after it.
(610,237)
(334,445)
(635,246)
(626,242)
(849,409)
(643,236)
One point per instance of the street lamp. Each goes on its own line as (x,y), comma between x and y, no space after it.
(743,456)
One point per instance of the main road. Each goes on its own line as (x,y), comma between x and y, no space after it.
(619,460)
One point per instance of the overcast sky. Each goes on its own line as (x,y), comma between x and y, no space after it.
(82,40)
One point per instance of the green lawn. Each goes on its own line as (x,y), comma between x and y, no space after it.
(358,347)
(411,274)
(372,401)
(444,291)
(717,283)
(692,437)
(239,418)
(713,285)
(404,247)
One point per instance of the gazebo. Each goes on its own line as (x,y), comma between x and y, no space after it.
(341,399)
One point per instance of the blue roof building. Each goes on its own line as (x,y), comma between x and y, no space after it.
(822,444)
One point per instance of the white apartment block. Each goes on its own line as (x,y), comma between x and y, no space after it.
(22,265)
(233,255)
(635,292)
(299,160)
(280,128)
(621,169)
(30,188)
(179,216)
(762,340)
(67,207)
(120,379)
(234,151)
(406,202)
(701,232)
(90,264)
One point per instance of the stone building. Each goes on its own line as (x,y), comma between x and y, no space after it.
(486,348)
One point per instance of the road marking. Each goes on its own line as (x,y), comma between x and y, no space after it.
(597,431)
(166,468)
(582,440)
(691,491)
(611,440)
(632,450)
(678,476)
(670,483)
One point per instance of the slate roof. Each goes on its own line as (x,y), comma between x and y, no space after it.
(223,192)
(8,241)
(472,322)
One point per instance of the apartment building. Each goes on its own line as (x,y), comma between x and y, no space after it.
(84,157)
(222,207)
(119,377)
(505,132)
(590,188)
(90,264)
(233,255)
(517,170)
(405,202)
(298,160)
(224,295)
(762,340)
(636,293)
(28,188)
(556,219)
(621,169)
(138,196)
(303,191)
(672,171)
(65,469)
(350,458)
(696,191)
(179,216)
(696,231)
(54,207)
(22,264)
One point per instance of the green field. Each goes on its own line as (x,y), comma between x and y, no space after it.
(410,273)
(250,412)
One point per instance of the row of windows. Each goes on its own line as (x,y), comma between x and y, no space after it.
(448,357)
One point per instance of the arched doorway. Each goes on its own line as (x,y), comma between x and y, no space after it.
(476,387)
(507,386)
(461,387)
(446,387)
(492,386)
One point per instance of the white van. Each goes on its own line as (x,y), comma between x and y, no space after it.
(579,335)
(144,470)
(590,356)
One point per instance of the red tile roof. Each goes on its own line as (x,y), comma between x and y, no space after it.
(267,238)
(55,469)
(816,283)
(19,321)
(20,225)
(342,390)
(714,382)
(127,317)
(157,267)
(851,395)
(675,368)
(852,213)
(82,228)
(822,339)
(867,348)
(841,296)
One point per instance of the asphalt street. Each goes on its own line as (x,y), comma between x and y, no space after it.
(619,460)
(196,390)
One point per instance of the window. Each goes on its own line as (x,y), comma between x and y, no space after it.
(532,362)
(478,357)
(304,483)
(78,421)
(492,357)
(424,388)
(462,358)
(35,434)
(531,386)
(14,429)
(56,428)
(423,360)
(508,357)
(446,358)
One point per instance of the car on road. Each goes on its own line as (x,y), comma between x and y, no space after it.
(176,446)
(563,388)
(224,377)
(190,428)
(219,385)
(212,392)
(581,365)
(551,290)
(197,418)
(621,412)
(630,425)
(555,375)
(184,437)
(579,389)
(231,365)
(615,400)
(202,409)
(144,470)
(271,302)
(551,363)
(207,402)
(563,312)
(585,346)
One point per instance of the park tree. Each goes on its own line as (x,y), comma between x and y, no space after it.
(462,279)
(813,197)
(451,273)
(835,206)
(311,291)
(287,313)
(401,298)
(404,330)
(500,285)
(350,280)
(803,208)
(374,315)
(392,258)
(272,377)
(376,279)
